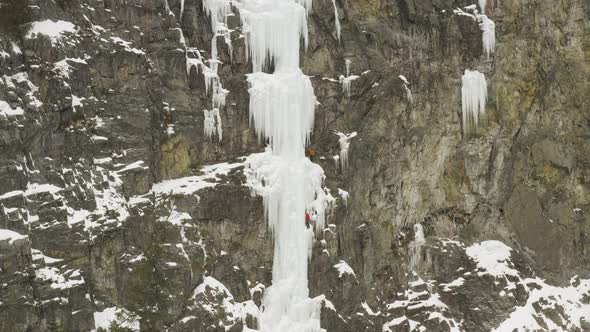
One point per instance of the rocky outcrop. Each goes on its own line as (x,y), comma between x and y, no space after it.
(106,174)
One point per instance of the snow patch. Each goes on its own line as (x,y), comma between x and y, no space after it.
(493,257)
(343,268)
(53,30)
(10,236)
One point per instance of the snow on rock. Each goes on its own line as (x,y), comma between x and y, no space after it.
(120,317)
(492,257)
(58,279)
(176,217)
(7,111)
(37,255)
(138,165)
(420,300)
(15,48)
(63,68)
(53,30)
(234,311)
(10,236)
(343,268)
(571,303)
(453,284)
(368,309)
(126,45)
(191,184)
(321,300)
(474,94)
(344,141)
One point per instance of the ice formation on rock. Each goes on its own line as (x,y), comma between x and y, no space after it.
(217,11)
(416,246)
(212,124)
(408,91)
(488,29)
(282,106)
(347,81)
(336,19)
(344,142)
(474,94)
(482,6)
(486,25)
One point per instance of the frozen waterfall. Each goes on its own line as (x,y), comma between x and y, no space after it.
(282,106)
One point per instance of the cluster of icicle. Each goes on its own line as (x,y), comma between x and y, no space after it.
(347,81)
(218,11)
(474,91)
(474,94)
(282,106)
(488,29)
(486,25)
(416,247)
(344,142)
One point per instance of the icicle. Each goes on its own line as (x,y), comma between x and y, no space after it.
(217,11)
(486,25)
(337,20)
(416,247)
(347,81)
(344,195)
(272,31)
(347,63)
(488,29)
(282,110)
(212,124)
(344,142)
(482,6)
(474,93)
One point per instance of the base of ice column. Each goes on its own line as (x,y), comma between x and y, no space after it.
(289,187)
(286,310)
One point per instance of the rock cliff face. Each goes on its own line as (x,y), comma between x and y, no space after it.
(116,212)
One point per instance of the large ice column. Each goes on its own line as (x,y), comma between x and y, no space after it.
(282,108)
(474,94)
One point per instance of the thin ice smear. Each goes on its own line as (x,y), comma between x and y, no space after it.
(337,20)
